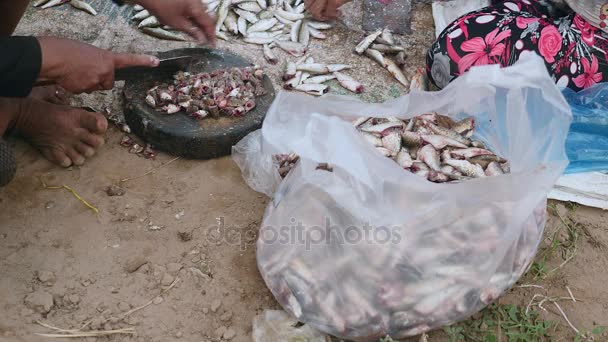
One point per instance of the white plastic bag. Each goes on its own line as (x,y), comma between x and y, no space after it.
(369,249)
(278,326)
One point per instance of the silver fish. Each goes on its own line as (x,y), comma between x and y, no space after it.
(372,139)
(250,6)
(141,15)
(387,36)
(304,35)
(376,56)
(293,82)
(137,7)
(249,16)
(464,125)
(396,72)
(295,30)
(266,14)
(299,8)
(320,78)
(337,67)
(38,3)
(387,48)
(258,40)
(290,71)
(439,142)
(312,89)
(438,177)
(284,21)
(163,34)
(383,127)
(53,3)
(471,152)
(241,24)
(354,86)
(316,33)
(419,81)
(289,15)
(400,58)
(468,169)
(367,41)
(360,121)
(262,25)
(231,23)
(494,169)
(81,5)
(430,157)
(319,25)
(449,133)
(262,4)
(404,159)
(222,13)
(269,55)
(392,142)
(411,139)
(263,34)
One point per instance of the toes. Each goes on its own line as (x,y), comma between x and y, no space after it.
(93,140)
(77,158)
(56,156)
(94,122)
(85,150)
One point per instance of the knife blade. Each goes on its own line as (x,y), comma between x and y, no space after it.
(166,66)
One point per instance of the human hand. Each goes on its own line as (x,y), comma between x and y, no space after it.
(188,16)
(80,67)
(324,9)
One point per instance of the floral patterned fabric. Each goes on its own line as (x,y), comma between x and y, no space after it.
(575,52)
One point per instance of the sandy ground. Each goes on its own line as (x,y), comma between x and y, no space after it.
(64,265)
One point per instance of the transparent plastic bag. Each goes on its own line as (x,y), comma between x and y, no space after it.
(587,142)
(278,326)
(368,249)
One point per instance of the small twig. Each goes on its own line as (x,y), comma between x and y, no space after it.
(532,302)
(127,313)
(96,333)
(74,193)
(64,330)
(532,285)
(570,293)
(566,317)
(150,171)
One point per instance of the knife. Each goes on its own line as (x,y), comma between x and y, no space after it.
(166,66)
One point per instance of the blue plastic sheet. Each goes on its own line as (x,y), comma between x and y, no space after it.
(587,142)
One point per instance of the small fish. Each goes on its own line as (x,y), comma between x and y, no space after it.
(400,58)
(262,4)
(269,55)
(304,35)
(288,15)
(352,85)
(295,30)
(319,25)
(262,25)
(222,13)
(467,169)
(385,152)
(294,49)
(150,101)
(212,6)
(396,72)
(263,34)
(494,169)
(337,67)
(81,5)
(141,15)
(392,142)
(449,133)
(172,109)
(150,21)
(290,71)
(360,121)
(316,33)
(231,23)
(241,24)
(53,3)
(299,8)
(367,41)
(439,142)
(471,152)
(383,127)
(485,160)
(411,139)
(376,56)
(163,34)
(249,16)
(312,89)
(284,21)
(387,48)
(320,78)
(438,177)
(250,6)
(137,7)
(259,40)
(430,157)
(404,159)
(478,144)
(387,36)
(464,125)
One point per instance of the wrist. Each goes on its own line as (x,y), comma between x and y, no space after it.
(50,66)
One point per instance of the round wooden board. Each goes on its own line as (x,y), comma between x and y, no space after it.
(181,135)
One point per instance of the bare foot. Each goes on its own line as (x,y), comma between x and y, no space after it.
(53,94)
(64,135)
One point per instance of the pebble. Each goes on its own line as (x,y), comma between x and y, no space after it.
(184,236)
(179,334)
(158,300)
(179,215)
(219,332)
(49,205)
(39,301)
(173,268)
(46,277)
(229,334)
(115,190)
(123,306)
(134,264)
(215,305)
(226,316)
(205,310)
(166,280)
(74,299)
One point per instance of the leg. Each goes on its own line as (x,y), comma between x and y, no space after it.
(64,135)
(8,164)
(11,12)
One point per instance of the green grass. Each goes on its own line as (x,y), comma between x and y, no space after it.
(510,322)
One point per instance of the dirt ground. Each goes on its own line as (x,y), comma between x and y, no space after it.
(64,265)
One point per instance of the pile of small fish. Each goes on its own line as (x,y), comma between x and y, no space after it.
(136,148)
(149,24)
(307,76)
(433,146)
(229,92)
(285,162)
(377,46)
(79,4)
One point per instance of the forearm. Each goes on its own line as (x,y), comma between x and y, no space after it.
(20,64)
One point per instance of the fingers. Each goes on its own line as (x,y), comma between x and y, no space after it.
(318,8)
(331,10)
(123,60)
(203,22)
